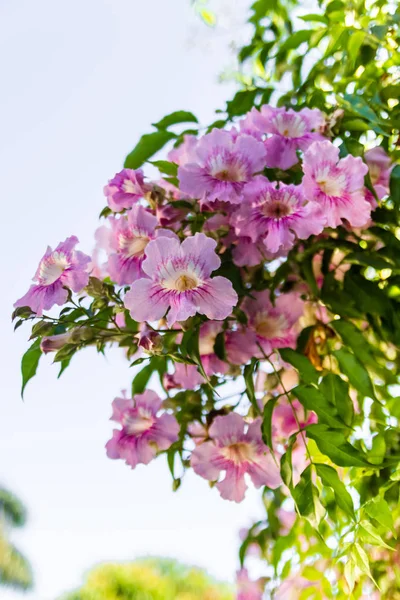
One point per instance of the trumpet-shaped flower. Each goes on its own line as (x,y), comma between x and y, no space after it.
(143,433)
(336,185)
(291,131)
(127,242)
(222,165)
(125,189)
(277,215)
(236,449)
(272,326)
(179,279)
(59,269)
(379,166)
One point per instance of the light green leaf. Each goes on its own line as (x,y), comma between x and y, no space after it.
(333,443)
(355,42)
(369,534)
(378,509)
(330,478)
(306,497)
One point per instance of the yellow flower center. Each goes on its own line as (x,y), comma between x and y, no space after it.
(185,282)
(238,452)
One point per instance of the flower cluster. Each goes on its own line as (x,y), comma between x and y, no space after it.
(186,275)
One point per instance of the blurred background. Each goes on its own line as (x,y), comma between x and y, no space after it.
(81,82)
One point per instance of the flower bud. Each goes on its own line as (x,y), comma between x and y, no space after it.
(52,343)
(150,341)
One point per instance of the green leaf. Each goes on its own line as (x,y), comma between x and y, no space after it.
(306,497)
(147,146)
(179,116)
(267,422)
(313,399)
(350,574)
(295,40)
(378,449)
(395,185)
(166,167)
(378,509)
(355,372)
(190,347)
(333,444)
(355,42)
(286,463)
(361,560)
(142,378)
(300,362)
(353,338)
(370,535)
(330,478)
(314,18)
(336,391)
(29,363)
(241,103)
(248,374)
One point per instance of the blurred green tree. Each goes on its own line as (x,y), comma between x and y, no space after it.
(15,570)
(150,579)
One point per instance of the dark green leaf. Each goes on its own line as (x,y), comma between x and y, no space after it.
(336,391)
(267,422)
(179,116)
(355,372)
(147,146)
(308,373)
(29,363)
(248,374)
(313,399)
(306,497)
(166,167)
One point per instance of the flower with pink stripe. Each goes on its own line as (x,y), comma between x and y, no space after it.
(220,165)
(179,281)
(276,215)
(290,131)
(236,449)
(143,433)
(59,269)
(336,185)
(125,189)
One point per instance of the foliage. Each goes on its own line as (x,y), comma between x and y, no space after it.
(14,567)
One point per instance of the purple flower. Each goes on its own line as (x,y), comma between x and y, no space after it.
(336,185)
(379,166)
(291,131)
(237,449)
(222,165)
(179,280)
(272,326)
(127,242)
(52,343)
(125,189)
(185,152)
(143,433)
(276,215)
(247,589)
(61,268)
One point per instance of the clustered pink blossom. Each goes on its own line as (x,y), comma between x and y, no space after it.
(143,431)
(248,589)
(236,449)
(58,270)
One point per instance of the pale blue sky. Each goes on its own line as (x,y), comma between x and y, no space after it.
(81,81)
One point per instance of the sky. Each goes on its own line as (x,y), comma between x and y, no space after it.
(81,81)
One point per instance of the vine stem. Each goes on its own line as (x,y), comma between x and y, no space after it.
(287,394)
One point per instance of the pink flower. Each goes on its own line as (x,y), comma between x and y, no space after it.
(52,343)
(179,280)
(336,185)
(222,166)
(291,587)
(61,268)
(142,432)
(291,131)
(286,520)
(272,326)
(127,242)
(185,153)
(276,215)
(125,189)
(284,421)
(239,346)
(187,376)
(246,588)
(380,167)
(237,449)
